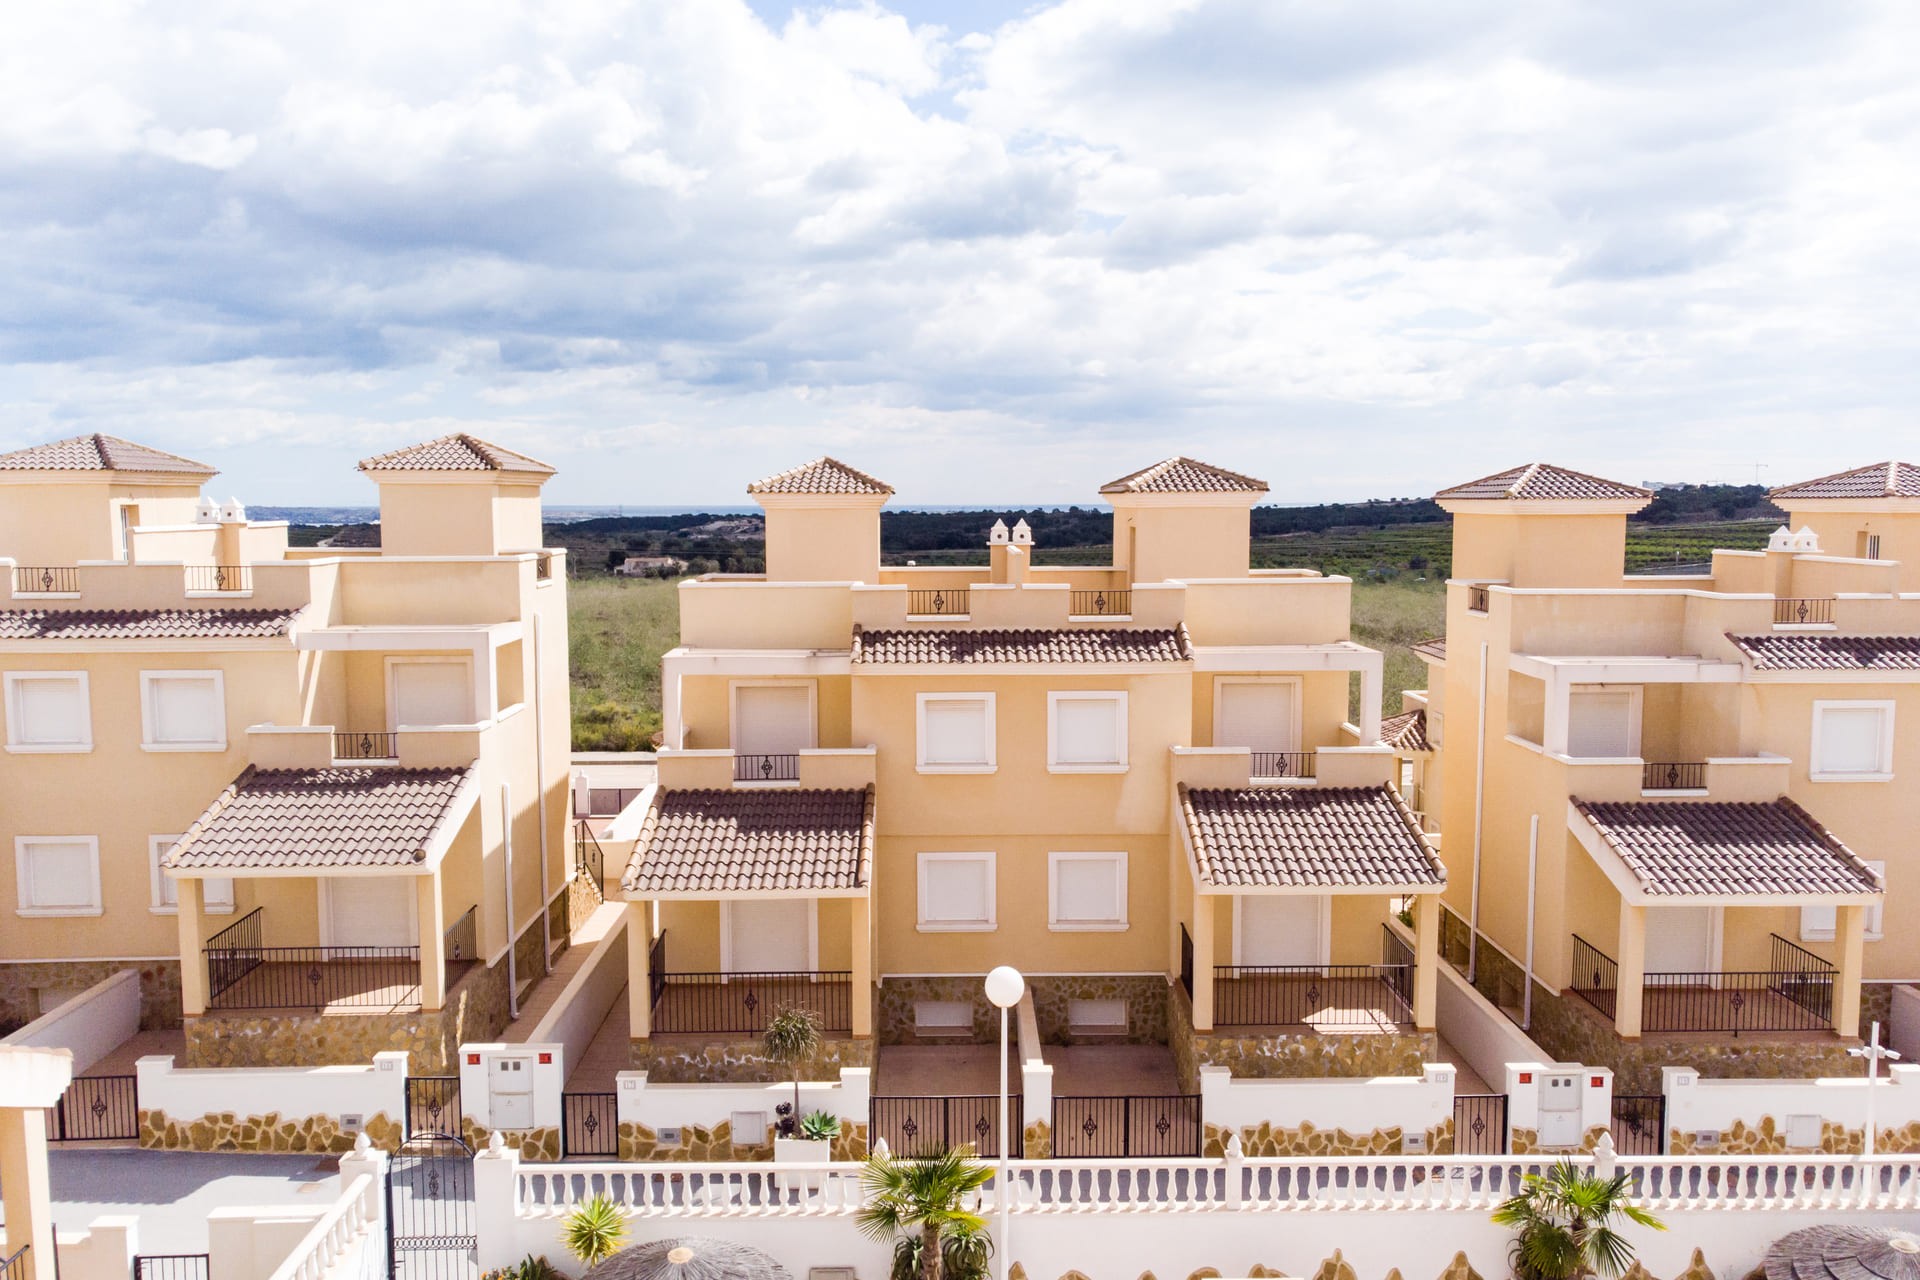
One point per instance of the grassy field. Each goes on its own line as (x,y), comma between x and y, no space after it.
(618,628)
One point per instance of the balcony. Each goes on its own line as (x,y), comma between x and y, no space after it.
(1100,604)
(219,579)
(761,767)
(1796,994)
(243,975)
(1329,999)
(1673,775)
(1278,766)
(939,602)
(364,746)
(740,1004)
(1803,612)
(46,580)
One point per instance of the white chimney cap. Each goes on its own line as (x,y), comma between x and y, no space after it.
(997,534)
(1022,533)
(207,512)
(1806,539)
(1782,539)
(233,512)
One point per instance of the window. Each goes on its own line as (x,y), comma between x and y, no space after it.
(183,711)
(956,732)
(58,875)
(1087,732)
(48,711)
(1087,892)
(216,895)
(956,893)
(1852,742)
(1821,924)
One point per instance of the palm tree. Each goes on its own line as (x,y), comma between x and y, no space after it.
(792,1037)
(1566,1224)
(594,1231)
(929,1196)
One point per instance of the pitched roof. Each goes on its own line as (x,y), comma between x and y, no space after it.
(1680,848)
(1544,482)
(1053,644)
(1881,480)
(144,624)
(1436,648)
(1791,651)
(753,840)
(295,819)
(456,452)
(1184,475)
(1307,837)
(1406,732)
(97,452)
(822,475)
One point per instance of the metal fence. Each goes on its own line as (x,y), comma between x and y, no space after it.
(1186,961)
(1639,1124)
(943,602)
(433,1104)
(243,974)
(1480,1124)
(1285,995)
(1796,994)
(589,1124)
(1803,613)
(1100,604)
(96,1109)
(13,1266)
(742,1003)
(1089,1128)
(1673,775)
(219,577)
(366,746)
(170,1266)
(1595,976)
(917,1127)
(763,767)
(45,579)
(1283,764)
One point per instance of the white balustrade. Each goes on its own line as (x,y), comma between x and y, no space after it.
(351,1218)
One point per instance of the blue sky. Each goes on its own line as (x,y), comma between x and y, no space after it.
(992,252)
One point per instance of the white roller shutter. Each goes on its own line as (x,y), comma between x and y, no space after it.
(1089,730)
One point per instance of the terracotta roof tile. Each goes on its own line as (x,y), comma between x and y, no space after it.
(753,839)
(1406,732)
(456,452)
(1055,644)
(1790,651)
(1881,480)
(1683,848)
(1436,648)
(1544,482)
(100,453)
(369,816)
(1184,475)
(822,475)
(1308,837)
(144,624)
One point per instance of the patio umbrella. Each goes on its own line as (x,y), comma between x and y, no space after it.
(1845,1253)
(691,1258)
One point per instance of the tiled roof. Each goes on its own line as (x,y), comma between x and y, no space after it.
(753,839)
(1881,480)
(1055,644)
(1406,732)
(1792,651)
(366,816)
(1184,475)
(144,624)
(457,452)
(99,453)
(1695,847)
(1435,648)
(1307,837)
(1544,482)
(822,475)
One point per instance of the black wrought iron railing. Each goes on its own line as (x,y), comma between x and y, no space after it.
(96,1109)
(170,1266)
(1480,1124)
(1168,1125)
(45,579)
(1477,599)
(589,859)
(366,746)
(433,1104)
(14,1265)
(1283,764)
(762,767)
(1186,961)
(657,970)
(243,974)
(462,938)
(1639,1124)
(1100,604)
(1286,995)
(1803,612)
(1397,953)
(589,1124)
(219,577)
(1673,775)
(742,1003)
(920,1127)
(1796,994)
(1596,976)
(941,602)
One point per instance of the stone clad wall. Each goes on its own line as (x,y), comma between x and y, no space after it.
(542,1145)
(270,1133)
(1525,1142)
(716,1142)
(1265,1140)
(1146,997)
(1768,1137)
(1036,1140)
(159,988)
(1308,1055)
(740,1061)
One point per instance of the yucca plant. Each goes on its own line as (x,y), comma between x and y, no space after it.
(820,1126)
(595,1231)
(1565,1221)
(792,1038)
(931,1200)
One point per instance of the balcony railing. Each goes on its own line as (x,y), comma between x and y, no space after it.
(1796,994)
(1283,764)
(366,746)
(13,1266)
(1803,612)
(45,579)
(756,767)
(943,602)
(220,577)
(243,974)
(1100,604)
(742,1003)
(1673,775)
(1332,998)
(1477,598)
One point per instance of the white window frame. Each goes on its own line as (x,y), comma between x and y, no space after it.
(1055,698)
(1826,926)
(22,880)
(1816,772)
(920,702)
(148,742)
(157,847)
(1116,924)
(992,921)
(464,660)
(15,735)
(813,707)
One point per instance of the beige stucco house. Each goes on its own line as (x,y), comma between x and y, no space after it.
(317,797)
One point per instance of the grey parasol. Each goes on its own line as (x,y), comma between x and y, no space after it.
(690,1258)
(1845,1253)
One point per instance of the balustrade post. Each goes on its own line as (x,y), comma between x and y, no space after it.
(496,1207)
(1235,1162)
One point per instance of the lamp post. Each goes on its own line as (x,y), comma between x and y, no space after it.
(1872,1051)
(1005,986)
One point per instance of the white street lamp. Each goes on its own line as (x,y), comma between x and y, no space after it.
(1005,986)
(1872,1052)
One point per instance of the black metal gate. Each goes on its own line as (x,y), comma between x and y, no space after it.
(1127,1126)
(589,1124)
(1639,1124)
(433,1104)
(1480,1124)
(430,1227)
(95,1109)
(170,1266)
(918,1126)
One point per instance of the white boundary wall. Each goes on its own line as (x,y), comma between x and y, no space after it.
(1413,1104)
(186,1095)
(577,1014)
(1481,1034)
(91,1024)
(1695,1105)
(675,1106)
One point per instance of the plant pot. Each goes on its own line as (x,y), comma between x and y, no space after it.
(801,1151)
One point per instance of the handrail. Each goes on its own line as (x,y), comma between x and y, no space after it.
(1673,775)
(46,579)
(366,745)
(1803,612)
(938,602)
(233,578)
(1283,764)
(11,1266)
(352,1217)
(1100,604)
(766,767)
(1246,995)
(715,1001)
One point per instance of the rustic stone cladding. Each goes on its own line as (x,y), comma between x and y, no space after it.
(1293,1056)
(272,1132)
(1768,1137)
(1036,1141)
(701,1143)
(1306,1139)
(159,988)
(1526,1142)
(541,1145)
(1338,1268)
(1146,997)
(680,1061)
(579,901)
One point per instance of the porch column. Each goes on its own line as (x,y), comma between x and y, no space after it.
(433,942)
(639,971)
(1203,913)
(1849,936)
(1632,972)
(1426,960)
(861,949)
(31,1081)
(190,894)
(1371,677)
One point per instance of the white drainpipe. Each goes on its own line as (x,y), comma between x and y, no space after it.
(540,795)
(1479,810)
(513,932)
(1533,869)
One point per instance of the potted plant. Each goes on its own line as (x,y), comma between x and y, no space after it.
(932,1203)
(1565,1221)
(791,1039)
